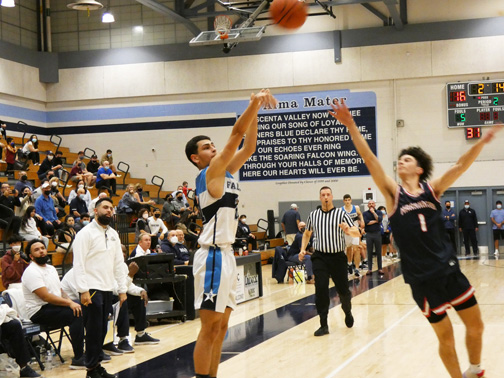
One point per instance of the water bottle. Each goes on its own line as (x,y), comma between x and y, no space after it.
(48,360)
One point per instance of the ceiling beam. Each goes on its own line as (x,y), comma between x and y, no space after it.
(394,13)
(160,8)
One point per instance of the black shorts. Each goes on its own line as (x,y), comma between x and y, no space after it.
(437,295)
(385,238)
(498,234)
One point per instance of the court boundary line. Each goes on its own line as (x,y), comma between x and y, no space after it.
(368,345)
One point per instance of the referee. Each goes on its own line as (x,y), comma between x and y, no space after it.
(330,226)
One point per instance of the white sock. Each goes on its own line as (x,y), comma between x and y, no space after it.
(123,338)
(475,368)
(140,333)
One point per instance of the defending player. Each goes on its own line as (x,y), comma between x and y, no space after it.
(428,261)
(214,266)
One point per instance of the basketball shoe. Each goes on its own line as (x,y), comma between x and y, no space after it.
(469,374)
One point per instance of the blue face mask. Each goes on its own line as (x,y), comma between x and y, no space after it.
(85,223)
(82,196)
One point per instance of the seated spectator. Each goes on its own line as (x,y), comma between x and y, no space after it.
(83,222)
(168,244)
(107,157)
(27,199)
(157,228)
(78,174)
(10,201)
(136,303)
(128,202)
(23,182)
(139,196)
(57,164)
(181,198)
(142,225)
(182,256)
(93,165)
(168,213)
(78,205)
(143,247)
(87,194)
(59,201)
(4,136)
(92,204)
(28,230)
(44,206)
(47,304)
(105,178)
(13,264)
(46,166)
(10,157)
(30,150)
(243,232)
(66,234)
(12,335)
(295,248)
(80,160)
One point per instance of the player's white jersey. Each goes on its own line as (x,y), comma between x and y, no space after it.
(220,215)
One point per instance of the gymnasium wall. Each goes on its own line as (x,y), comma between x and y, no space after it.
(409,81)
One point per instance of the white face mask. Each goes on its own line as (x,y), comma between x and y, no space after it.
(173,240)
(244,220)
(145,216)
(49,158)
(81,186)
(466,206)
(16,248)
(54,184)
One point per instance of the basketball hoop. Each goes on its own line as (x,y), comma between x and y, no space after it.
(222,26)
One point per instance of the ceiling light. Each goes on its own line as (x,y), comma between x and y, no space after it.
(107,17)
(8,3)
(88,5)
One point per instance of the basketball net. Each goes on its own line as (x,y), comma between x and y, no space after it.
(222,26)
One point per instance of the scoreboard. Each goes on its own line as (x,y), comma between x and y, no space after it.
(475,103)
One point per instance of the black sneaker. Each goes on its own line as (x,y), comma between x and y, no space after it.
(111,349)
(124,346)
(322,331)
(104,373)
(78,364)
(356,272)
(145,339)
(350,269)
(105,358)
(27,371)
(93,373)
(349,320)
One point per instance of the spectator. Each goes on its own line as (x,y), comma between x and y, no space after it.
(105,178)
(78,205)
(83,222)
(11,333)
(93,165)
(182,208)
(23,182)
(168,213)
(87,194)
(185,188)
(243,232)
(290,223)
(449,219)
(157,228)
(138,194)
(10,157)
(173,245)
(92,204)
(3,135)
(46,166)
(110,159)
(28,229)
(47,304)
(497,218)
(66,234)
(80,160)
(44,206)
(185,202)
(10,201)
(468,225)
(57,164)
(142,225)
(30,150)
(13,264)
(59,201)
(372,222)
(183,254)
(386,235)
(295,248)
(143,247)
(27,199)
(78,174)
(128,202)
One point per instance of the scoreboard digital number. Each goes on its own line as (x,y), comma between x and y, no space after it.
(475,103)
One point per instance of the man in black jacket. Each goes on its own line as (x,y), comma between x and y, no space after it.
(468,225)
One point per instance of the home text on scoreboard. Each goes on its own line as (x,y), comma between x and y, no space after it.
(475,103)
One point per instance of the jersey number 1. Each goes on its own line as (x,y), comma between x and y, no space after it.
(423,224)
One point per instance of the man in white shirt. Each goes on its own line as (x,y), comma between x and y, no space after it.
(98,265)
(47,304)
(143,246)
(157,228)
(92,204)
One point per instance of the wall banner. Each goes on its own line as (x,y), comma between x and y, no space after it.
(300,139)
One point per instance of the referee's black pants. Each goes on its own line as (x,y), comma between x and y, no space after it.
(96,320)
(332,265)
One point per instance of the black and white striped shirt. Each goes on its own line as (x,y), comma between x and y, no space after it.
(328,236)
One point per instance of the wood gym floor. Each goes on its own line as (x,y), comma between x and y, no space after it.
(273,336)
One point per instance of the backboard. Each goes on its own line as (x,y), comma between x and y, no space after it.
(235,35)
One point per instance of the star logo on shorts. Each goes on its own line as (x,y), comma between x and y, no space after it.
(210,296)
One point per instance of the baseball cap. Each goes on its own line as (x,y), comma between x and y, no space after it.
(294,206)
(45,185)
(466,201)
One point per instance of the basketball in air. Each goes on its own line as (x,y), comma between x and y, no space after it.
(289,14)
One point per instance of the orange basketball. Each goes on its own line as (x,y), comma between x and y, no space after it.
(289,14)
